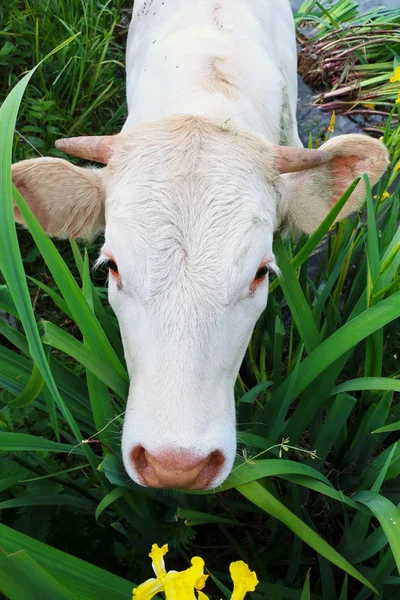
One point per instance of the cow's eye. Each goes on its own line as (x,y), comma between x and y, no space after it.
(261,273)
(112,265)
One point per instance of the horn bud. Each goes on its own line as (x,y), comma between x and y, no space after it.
(95,148)
(292,160)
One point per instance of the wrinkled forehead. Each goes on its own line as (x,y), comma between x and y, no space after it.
(188,194)
(189,209)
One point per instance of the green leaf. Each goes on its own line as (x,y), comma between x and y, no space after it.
(367,383)
(79,578)
(10,257)
(74,502)
(195,517)
(58,301)
(322,230)
(339,343)
(21,577)
(305,595)
(388,428)
(114,470)
(266,501)
(7,303)
(14,336)
(336,418)
(31,391)
(111,497)
(343,593)
(23,442)
(295,298)
(249,471)
(56,337)
(375,468)
(388,516)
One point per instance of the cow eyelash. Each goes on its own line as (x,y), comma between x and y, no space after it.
(262,272)
(112,265)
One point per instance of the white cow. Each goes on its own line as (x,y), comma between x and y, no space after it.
(208,165)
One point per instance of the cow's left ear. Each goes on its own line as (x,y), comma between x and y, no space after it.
(309,195)
(68,201)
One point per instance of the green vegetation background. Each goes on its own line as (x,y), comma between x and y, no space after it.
(321,371)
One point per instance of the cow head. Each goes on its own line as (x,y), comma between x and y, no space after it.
(189,208)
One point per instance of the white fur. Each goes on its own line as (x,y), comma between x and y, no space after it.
(190,253)
(169,55)
(188,244)
(192,196)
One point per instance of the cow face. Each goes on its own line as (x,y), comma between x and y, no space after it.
(190,208)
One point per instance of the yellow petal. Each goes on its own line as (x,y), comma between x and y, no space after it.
(177,588)
(369,105)
(181,586)
(202,596)
(398,98)
(195,574)
(396,75)
(147,590)
(331,127)
(243,579)
(156,556)
(397,167)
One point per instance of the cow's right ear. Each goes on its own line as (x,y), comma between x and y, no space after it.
(68,201)
(310,189)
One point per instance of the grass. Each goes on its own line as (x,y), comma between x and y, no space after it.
(350,58)
(321,374)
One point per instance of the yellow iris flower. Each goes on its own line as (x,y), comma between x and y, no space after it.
(396,75)
(187,585)
(243,579)
(384,196)
(157,556)
(332,123)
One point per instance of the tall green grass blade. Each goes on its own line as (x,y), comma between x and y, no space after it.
(246,473)
(389,517)
(16,442)
(305,594)
(81,579)
(7,303)
(74,502)
(58,301)
(340,342)
(373,470)
(111,497)
(22,577)
(367,383)
(344,592)
(322,230)
(56,337)
(388,428)
(31,391)
(262,498)
(360,524)
(297,303)
(10,257)
(336,418)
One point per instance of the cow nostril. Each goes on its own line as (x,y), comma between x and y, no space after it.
(176,469)
(138,458)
